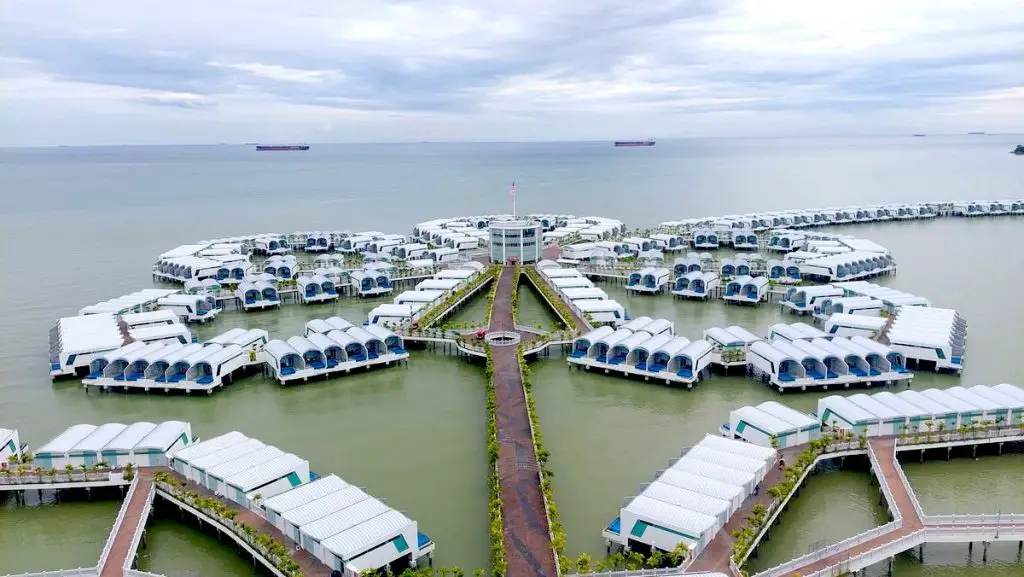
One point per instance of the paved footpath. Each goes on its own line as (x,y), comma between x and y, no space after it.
(114,566)
(527,539)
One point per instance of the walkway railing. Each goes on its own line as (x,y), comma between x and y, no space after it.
(826,552)
(663,572)
(890,499)
(936,437)
(79,572)
(117,522)
(133,549)
(997,520)
(883,551)
(910,488)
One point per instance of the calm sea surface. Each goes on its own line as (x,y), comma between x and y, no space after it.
(81,225)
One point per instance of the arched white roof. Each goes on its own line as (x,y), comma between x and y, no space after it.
(339,323)
(280,349)
(694,350)
(303,345)
(342,338)
(596,334)
(228,336)
(631,342)
(361,335)
(771,353)
(637,324)
(614,338)
(184,352)
(227,353)
(671,347)
(658,326)
(653,344)
(323,342)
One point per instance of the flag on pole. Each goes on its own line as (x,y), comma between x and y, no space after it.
(512,193)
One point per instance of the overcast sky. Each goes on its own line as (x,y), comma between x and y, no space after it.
(206,71)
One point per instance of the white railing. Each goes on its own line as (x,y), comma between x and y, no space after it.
(117,523)
(663,572)
(137,573)
(79,572)
(133,549)
(830,550)
(910,489)
(869,557)
(990,520)
(886,490)
(922,439)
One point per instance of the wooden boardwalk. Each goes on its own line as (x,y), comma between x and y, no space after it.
(528,548)
(309,565)
(134,510)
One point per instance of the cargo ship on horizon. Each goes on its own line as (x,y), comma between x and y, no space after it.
(648,142)
(280,147)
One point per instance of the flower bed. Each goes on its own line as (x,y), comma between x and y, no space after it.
(497,532)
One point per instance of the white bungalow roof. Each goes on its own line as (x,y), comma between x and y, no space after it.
(848,410)
(739,332)
(714,471)
(357,539)
(788,415)
(156,332)
(730,460)
(597,334)
(419,296)
(327,505)
(379,332)
(670,516)
(64,441)
(253,477)
(722,336)
(925,403)
(228,336)
(876,407)
(857,321)
(974,398)
(157,316)
(229,453)
(687,499)
(194,451)
(129,436)
(572,282)
(741,448)
(304,494)
(247,461)
(905,408)
(164,435)
(439,284)
(98,438)
(765,422)
(343,519)
(943,398)
(1010,390)
(89,333)
(455,273)
(1003,400)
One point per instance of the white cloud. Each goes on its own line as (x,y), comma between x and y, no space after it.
(535,69)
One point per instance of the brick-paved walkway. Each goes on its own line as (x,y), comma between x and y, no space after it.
(114,565)
(527,539)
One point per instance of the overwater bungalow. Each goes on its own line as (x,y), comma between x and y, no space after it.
(695,285)
(746,290)
(191,308)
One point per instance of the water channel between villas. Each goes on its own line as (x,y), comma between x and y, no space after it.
(414,435)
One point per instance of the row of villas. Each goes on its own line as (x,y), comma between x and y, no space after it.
(646,348)
(341,525)
(909,412)
(597,311)
(857,297)
(692,499)
(75,342)
(175,365)
(141,444)
(409,306)
(803,218)
(332,347)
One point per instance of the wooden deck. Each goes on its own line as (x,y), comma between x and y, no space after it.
(528,548)
(134,510)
